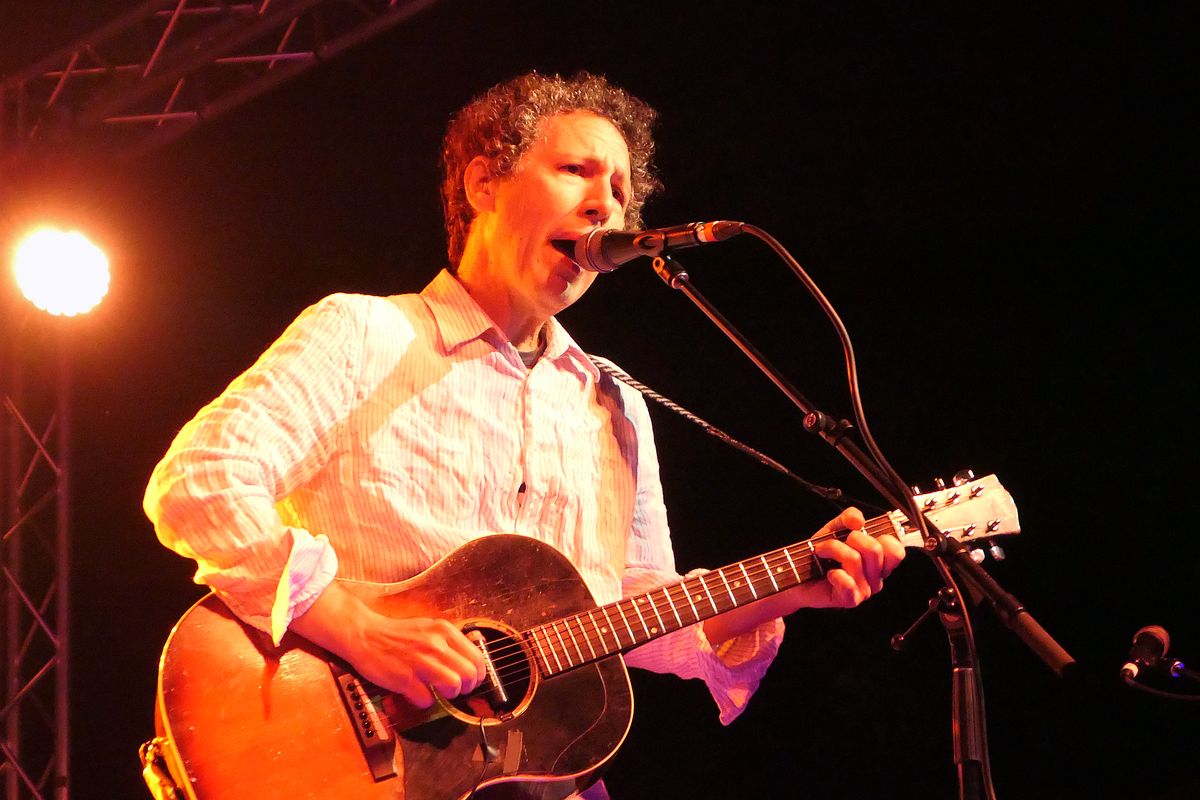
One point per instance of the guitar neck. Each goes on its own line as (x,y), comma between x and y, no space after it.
(618,627)
(970,511)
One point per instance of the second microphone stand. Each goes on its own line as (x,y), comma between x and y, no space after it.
(951,558)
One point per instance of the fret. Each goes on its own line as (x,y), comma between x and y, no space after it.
(588,636)
(688,595)
(885,525)
(728,589)
(792,564)
(671,603)
(749,582)
(711,602)
(641,619)
(767,567)
(611,628)
(553,646)
(566,654)
(553,650)
(661,627)
(574,641)
(815,559)
(558,646)
(625,619)
(550,645)
(533,634)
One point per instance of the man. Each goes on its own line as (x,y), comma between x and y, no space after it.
(377,434)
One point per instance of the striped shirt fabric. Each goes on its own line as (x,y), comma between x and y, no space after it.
(379,433)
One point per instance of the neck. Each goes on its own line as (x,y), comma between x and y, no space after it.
(523,330)
(507,307)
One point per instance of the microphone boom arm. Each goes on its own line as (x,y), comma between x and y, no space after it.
(949,557)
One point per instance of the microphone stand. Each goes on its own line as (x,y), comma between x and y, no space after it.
(950,557)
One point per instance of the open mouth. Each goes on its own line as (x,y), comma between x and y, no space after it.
(564,246)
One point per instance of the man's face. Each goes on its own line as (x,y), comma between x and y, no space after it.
(573,177)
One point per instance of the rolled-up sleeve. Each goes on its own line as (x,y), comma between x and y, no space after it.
(213,496)
(731,671)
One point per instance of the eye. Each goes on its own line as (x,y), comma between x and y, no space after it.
(573,169)
(619,194)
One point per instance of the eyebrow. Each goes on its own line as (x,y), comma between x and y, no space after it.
(572,155)
(624,179)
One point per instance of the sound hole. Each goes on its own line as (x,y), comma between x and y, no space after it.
(509,680)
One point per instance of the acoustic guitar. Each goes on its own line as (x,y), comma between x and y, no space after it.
(238,718)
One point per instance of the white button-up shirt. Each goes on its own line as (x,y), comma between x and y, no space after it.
(378,434)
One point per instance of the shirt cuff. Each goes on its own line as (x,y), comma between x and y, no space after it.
(311,566)
(734,669)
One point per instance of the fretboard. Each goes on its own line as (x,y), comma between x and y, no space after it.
(581,638)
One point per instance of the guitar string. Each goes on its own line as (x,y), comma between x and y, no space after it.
(516,666)
(678,597)
(511,663)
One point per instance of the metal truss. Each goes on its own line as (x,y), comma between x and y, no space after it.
(163,68)
(142,80)
(34,565)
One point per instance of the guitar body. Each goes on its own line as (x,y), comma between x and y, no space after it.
(242,718)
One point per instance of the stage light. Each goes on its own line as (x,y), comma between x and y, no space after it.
(61,272)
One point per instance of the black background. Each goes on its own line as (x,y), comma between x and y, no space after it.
(999,201)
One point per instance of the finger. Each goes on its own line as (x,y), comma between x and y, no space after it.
(844,590)
(851,564)
(416,693)
(872,555)
(439,677)
(850,519)
(457,643)
(440,655)
(893,553)
(466,675)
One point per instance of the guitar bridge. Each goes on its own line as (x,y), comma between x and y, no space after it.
(371,725)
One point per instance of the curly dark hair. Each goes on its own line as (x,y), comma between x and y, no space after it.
(500,125)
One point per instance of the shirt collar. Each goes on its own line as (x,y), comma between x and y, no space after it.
(561,346)
(459,319)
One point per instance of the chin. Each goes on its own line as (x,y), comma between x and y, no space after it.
(576,289)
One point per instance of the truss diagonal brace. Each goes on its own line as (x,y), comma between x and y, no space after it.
(154,73)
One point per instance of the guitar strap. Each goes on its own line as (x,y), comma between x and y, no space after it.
(608,368)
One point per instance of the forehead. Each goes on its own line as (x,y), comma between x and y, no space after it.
(582,135)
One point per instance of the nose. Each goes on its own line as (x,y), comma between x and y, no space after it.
(599,206)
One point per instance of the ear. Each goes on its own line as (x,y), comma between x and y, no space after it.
(480,184)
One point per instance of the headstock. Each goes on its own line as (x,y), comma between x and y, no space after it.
(971,510)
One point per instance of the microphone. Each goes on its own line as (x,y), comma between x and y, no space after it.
(1149,647)
(605,249)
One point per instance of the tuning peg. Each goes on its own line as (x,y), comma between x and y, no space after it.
(977,555)
(963,476)
(996,551)
(940,484)
(915,489)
